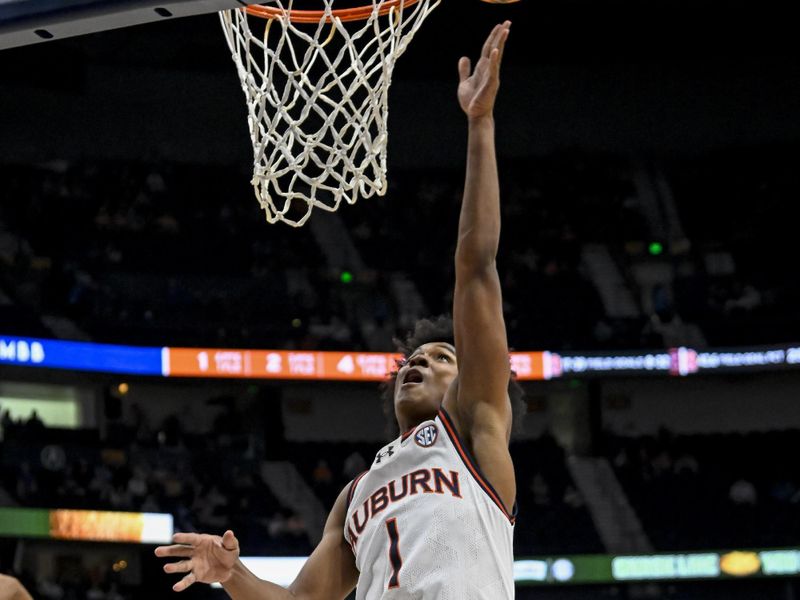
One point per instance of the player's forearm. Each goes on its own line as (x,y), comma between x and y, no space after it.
(243,585)
(479,223)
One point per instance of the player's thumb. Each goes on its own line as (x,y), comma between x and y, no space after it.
(229,541)
(464,67)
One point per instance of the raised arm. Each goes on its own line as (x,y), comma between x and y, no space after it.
(329,574)
(480,333)
(482,407)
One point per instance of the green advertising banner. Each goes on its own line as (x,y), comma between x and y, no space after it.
(24,522)
(606,568)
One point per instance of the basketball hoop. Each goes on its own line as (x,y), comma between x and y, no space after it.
(317,96)
(360,13)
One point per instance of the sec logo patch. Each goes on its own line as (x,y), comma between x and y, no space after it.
(426,436)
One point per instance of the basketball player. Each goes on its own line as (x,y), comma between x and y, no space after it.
(433,517)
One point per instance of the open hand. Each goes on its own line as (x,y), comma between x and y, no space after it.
(477,89)
(209,558)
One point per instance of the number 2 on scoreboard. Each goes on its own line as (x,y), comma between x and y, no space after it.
(394,552)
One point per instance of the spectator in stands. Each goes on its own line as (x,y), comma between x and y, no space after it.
(210,507)
(661,463)
(276,525)
(171,432)
(27,487)
(783,491)
(34,423)
(295,526)
(744,298)
(139,422)
(5,422)
(137,486)
(323,483)
(573,498)
(353,466)
(540,490)
(686,464)
(322,474)
(113,592)
(743,492)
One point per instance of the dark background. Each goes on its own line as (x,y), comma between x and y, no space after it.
(703,93)
(660,78)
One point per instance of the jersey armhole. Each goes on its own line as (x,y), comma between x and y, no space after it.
(352,490)
(472,467)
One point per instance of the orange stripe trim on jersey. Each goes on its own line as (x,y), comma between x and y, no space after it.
(407,433)
(471,465)
(352,490)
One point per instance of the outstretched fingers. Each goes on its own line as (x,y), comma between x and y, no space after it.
(190,539)
(183,566)
(501,39)
(494,61)
(493,48)
(184,583)
(176,550)
(464,68)
(490,42)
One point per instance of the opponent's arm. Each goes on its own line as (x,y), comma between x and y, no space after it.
(329,573)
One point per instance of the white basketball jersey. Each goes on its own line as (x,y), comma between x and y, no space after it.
(424,524)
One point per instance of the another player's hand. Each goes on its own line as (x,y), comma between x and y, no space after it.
(208,558)
(477,89)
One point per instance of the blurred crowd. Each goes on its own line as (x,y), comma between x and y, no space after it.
(697,492)
(553,515)
(180,254)
(736,207)
(551,207)
(207,482)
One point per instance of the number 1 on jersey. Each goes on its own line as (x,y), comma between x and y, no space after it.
(394,552)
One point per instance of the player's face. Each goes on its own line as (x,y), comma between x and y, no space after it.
(422,382)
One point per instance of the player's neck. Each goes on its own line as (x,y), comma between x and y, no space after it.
(408,425)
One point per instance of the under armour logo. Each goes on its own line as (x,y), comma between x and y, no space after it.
(384,453)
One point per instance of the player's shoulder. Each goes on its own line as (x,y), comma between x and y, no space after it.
(383,456)
(351,487)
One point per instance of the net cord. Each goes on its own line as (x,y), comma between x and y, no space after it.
(317,99)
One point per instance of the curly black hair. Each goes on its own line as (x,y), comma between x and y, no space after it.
(438,329)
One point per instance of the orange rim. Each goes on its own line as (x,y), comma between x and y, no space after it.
(360,13)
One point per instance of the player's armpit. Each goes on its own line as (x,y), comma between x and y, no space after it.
(481,407)
(330,572)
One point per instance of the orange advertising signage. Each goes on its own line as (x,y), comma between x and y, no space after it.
(299,364)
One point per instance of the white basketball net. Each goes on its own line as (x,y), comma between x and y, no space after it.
(317,97)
